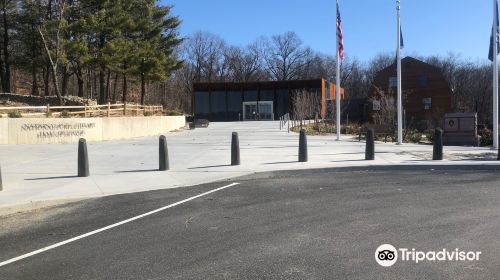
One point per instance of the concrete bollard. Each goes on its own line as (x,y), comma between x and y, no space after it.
(83,159)
(163,153)
(235,149)
(437,153)
(370,144)
(303,146)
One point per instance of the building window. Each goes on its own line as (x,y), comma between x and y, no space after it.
(422,80)
(234,101)
(427,101)
(202,102)
(282,102)
(218,101)
(267,95)
(250,95)
(393,82)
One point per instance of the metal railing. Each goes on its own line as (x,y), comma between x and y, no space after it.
(285,121)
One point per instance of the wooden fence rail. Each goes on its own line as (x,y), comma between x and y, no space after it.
(85,110)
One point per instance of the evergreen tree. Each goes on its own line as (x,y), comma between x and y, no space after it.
(156,41)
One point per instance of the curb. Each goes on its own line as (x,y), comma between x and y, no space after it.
(372,168)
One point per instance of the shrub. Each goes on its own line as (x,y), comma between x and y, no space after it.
(429,135)
(65,114)
(486,138)
(148,113)
(48,114)
(14,115)
(351,128)
(412,136)
(172,112)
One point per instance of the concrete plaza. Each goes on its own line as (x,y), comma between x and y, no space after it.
(34,173)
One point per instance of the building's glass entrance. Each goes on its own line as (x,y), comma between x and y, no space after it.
(255,111)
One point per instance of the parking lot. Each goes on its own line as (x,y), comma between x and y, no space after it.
(316,224)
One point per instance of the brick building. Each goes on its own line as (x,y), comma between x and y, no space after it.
(427,95)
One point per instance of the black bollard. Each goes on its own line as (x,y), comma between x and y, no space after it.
(303,146)
(163,152)
(497,157)
(235,149)
(83,159)
(437,153)
(370,144)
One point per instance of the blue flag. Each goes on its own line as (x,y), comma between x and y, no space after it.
(402,44)
(494,37)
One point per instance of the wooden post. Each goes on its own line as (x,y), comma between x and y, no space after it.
(48,109)
(109,107)
(85,110)
(137,109)
(125,109)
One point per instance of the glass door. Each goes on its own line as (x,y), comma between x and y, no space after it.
(255,111)
(266,110)
(250,111)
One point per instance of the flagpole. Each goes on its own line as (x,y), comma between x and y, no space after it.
(337,77)
(398,57)
(495,75)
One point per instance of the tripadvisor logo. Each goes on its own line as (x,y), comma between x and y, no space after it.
(387,255)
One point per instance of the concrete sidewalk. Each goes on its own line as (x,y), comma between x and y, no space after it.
(34,173)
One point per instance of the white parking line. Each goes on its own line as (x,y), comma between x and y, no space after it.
(112,226)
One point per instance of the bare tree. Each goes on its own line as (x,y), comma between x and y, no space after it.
(244,63)
(50,32)
(205,53)
(284,56)
(384,107)
(306,105)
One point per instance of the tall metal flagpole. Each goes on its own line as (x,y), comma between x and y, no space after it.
(337,76)
(495,75)
(398,57)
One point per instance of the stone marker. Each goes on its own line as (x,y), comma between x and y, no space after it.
(303,157)
(370,144)
(437,152)
(235,149)
(83,159)
(163,152)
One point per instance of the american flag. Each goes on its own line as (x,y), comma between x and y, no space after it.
(340,35)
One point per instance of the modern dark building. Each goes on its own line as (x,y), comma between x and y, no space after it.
(267,100)
(427,96)
(355,110)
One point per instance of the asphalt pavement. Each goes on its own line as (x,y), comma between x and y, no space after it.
(323,224)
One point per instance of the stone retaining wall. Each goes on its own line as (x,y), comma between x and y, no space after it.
(42,101)
(57,130)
